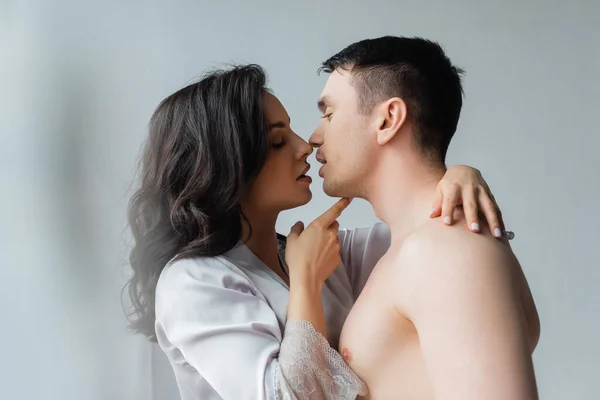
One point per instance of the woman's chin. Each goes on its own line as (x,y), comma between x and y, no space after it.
(301,199)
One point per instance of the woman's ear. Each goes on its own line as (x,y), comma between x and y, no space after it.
(391,118)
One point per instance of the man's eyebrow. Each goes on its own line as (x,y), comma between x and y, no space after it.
(322,103)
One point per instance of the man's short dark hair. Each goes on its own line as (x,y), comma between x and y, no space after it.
(414,69)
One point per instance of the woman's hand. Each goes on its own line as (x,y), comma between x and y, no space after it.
(312,254)
(464,185)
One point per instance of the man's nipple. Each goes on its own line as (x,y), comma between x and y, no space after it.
(346,355)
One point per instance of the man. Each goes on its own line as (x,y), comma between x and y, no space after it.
(445,314)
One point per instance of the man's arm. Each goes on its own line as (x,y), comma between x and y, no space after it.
(461,292)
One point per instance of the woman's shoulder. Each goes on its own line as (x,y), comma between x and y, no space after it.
(206,271)
(198,281)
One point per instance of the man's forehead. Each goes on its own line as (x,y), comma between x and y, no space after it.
(337,82)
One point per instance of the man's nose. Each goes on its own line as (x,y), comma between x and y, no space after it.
(316,139)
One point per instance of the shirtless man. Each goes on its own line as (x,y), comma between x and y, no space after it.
(445,314)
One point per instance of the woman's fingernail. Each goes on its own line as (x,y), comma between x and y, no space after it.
(447,220)
(475,226)
(497,232)
(432,210)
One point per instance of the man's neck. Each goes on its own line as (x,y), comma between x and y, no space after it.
(402,192)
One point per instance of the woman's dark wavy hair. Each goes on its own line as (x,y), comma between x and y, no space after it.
(206,143)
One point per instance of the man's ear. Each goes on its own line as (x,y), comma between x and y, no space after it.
(392,116)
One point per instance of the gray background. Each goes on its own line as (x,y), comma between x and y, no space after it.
(79,81)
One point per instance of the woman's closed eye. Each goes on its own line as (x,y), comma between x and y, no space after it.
(277,144)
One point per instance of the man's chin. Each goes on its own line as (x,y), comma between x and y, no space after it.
(332,190)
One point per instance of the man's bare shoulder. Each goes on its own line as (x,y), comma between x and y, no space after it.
(438,260)
(445,244)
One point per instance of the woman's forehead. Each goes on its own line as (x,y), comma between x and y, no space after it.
(275,112)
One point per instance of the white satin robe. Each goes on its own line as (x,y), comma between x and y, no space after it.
(222,323)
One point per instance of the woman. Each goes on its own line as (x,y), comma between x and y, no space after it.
(213,283)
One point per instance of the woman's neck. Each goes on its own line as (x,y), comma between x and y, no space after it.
(261,239)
